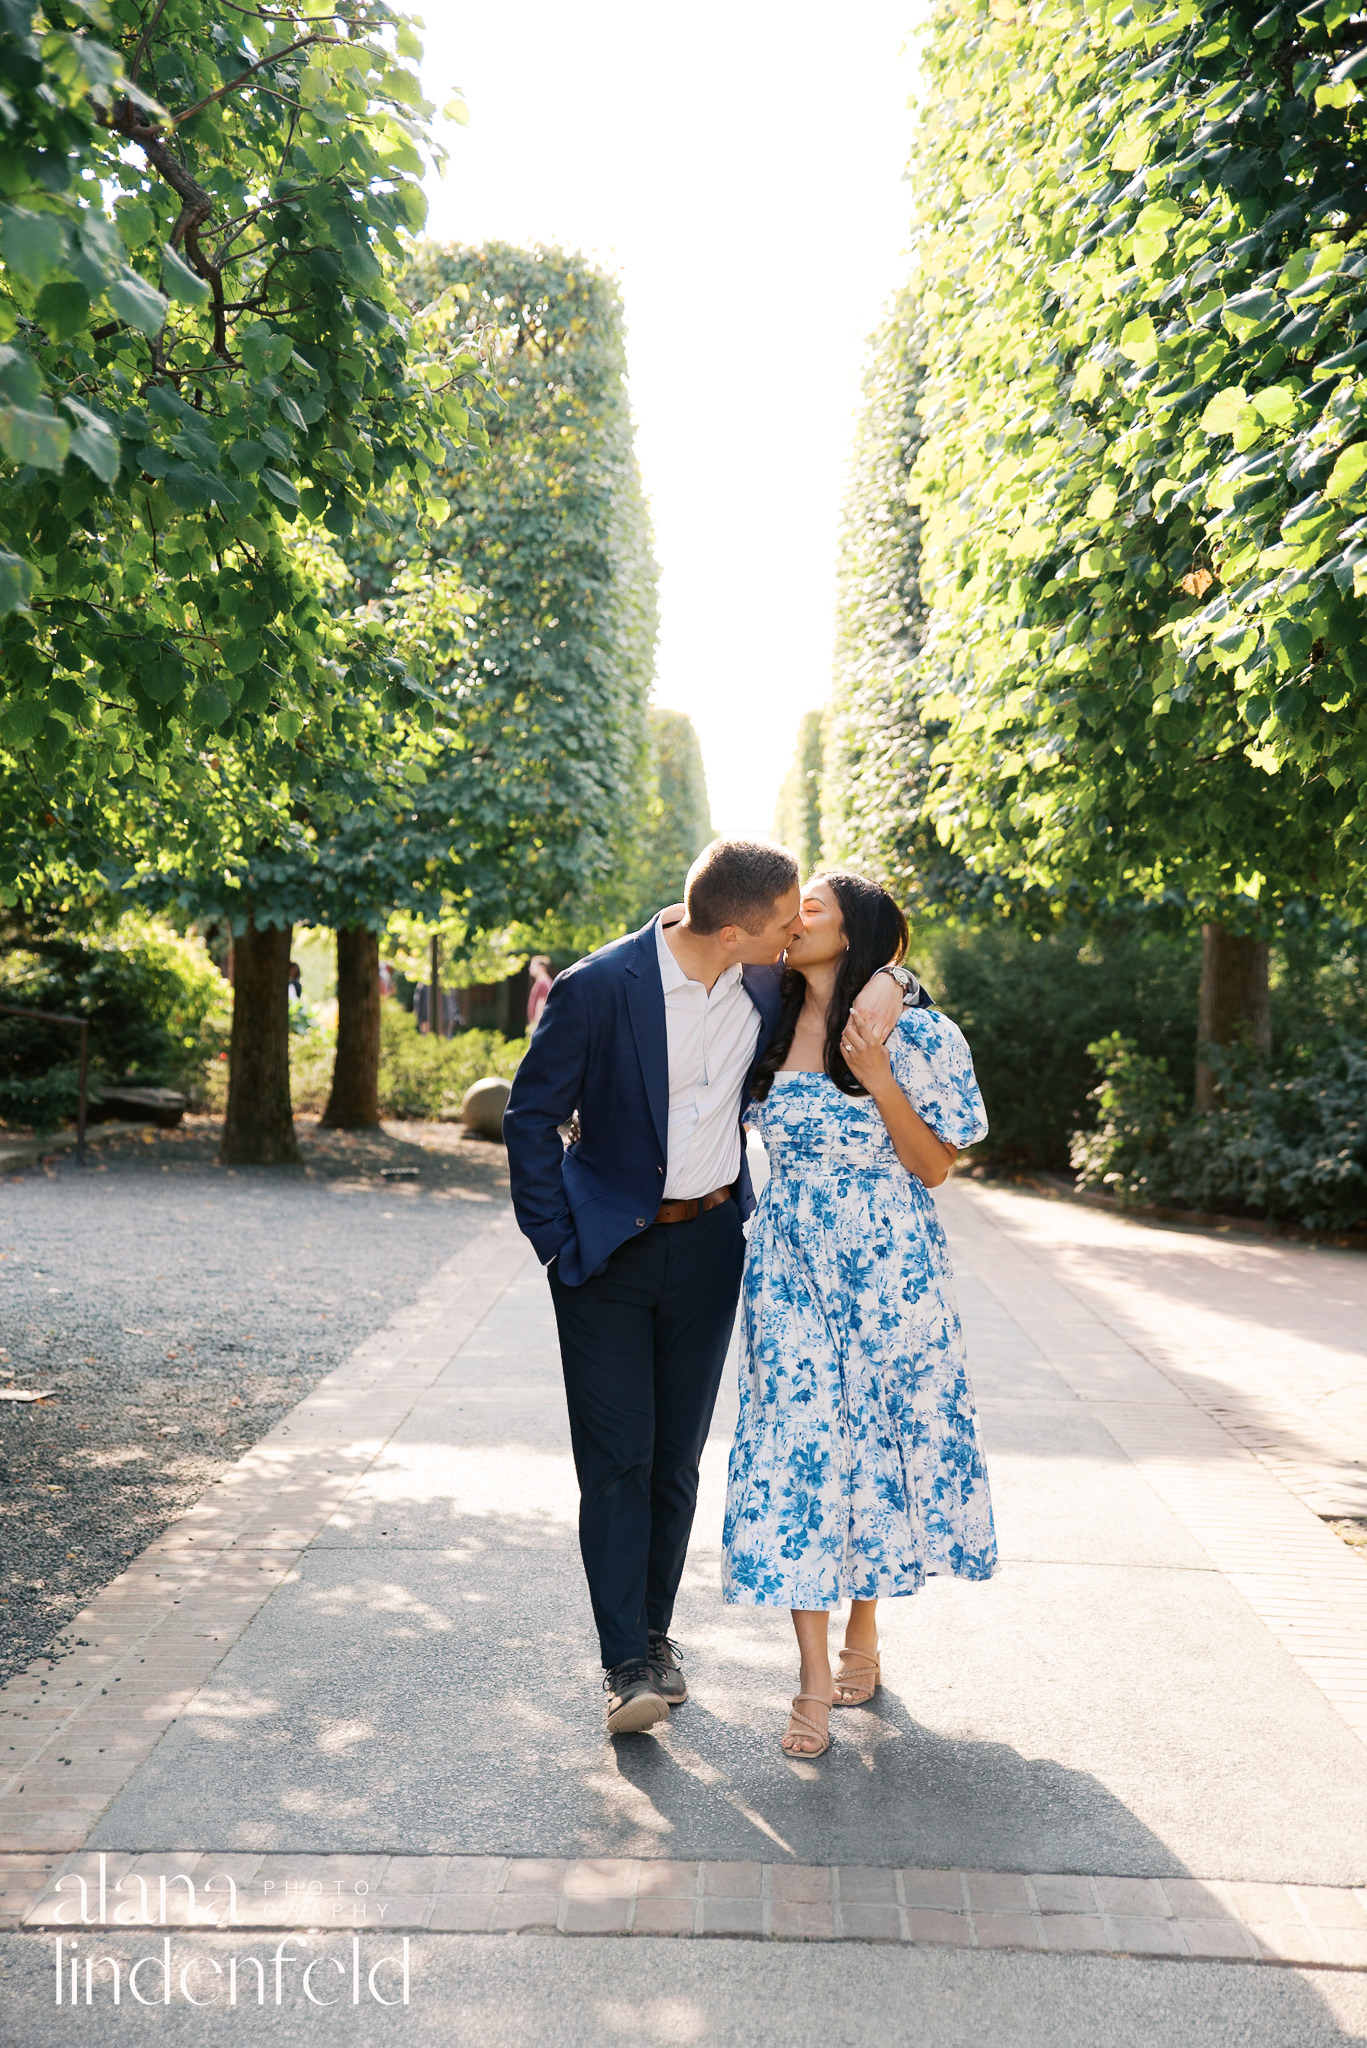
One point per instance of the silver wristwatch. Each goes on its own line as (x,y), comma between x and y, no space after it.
(906,981)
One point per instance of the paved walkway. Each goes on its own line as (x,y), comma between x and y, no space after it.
(351,1697)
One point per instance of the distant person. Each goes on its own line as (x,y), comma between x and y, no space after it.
(857,1469)
(422,1003)
(386,978)
(653,1041)
(539,968)
(451,1014)
(296,981)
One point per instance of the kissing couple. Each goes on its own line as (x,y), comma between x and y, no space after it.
(856,1468)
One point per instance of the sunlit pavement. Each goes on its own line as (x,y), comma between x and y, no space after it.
(358,1680)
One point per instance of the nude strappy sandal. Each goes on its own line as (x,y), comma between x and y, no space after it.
(806,1726)
(861,1679)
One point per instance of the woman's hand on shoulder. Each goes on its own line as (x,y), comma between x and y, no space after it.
(878,1005)
(866,1055)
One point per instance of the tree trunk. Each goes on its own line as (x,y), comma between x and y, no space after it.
(434,999)
(1235,1000)
(259,1128)
(354,1103)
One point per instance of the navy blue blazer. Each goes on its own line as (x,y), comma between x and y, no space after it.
(601,1048)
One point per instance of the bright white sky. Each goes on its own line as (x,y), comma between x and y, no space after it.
(738,167)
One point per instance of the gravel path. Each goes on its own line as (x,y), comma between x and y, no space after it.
(178,1309)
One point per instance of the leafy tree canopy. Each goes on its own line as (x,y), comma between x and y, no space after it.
(204,371)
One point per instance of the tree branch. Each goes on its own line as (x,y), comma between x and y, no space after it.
(196,205)
(275,57)
(143,40)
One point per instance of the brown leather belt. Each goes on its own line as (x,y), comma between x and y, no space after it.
(684,1212)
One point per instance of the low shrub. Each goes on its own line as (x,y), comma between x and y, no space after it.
(1138,1107)
(157,1005)
(1289,1143)
(421,1078)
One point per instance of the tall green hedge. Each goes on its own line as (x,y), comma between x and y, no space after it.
(673,820)
(537,588)
(877,757)
(797,815)
(1140,308)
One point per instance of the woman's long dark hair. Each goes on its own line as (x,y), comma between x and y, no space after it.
(877,935)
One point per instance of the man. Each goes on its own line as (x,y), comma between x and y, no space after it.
(650,1044)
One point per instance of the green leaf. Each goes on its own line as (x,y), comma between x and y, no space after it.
(181,283)
(137,222)
(280,486)
(39,438)
(163,680)
(238,656)
(16,581)
(1295,639)
(1276,405)
(22,720)
(190,488)
(92,440)
(291,410)
(19,378)
(33,245)
(1138,340)
(139,303)
(61,308)
(1157,216)
(1249,311)
(1221,416)
(209,705)
(1344,95)
(264,351)
(1347,471)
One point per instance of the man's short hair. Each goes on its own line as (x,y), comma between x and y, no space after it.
(737,881)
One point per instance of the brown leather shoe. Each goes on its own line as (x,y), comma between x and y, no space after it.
(635,1701)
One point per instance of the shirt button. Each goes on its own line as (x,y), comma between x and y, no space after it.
(640,1222)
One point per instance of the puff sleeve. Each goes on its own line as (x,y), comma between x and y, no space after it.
(934,1070)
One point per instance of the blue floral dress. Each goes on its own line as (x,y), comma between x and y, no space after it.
(856,1469)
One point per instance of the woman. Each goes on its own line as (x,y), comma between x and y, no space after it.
(856,1468)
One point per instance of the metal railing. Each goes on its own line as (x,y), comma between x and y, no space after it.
(81,1024)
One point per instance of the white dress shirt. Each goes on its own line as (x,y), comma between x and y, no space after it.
(712,1035)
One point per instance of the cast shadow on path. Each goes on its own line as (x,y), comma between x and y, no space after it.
(410,1703)
(889,1791)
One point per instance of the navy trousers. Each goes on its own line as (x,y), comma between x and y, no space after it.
(642,1346)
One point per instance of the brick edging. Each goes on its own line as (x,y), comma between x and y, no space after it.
(1046,1912)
